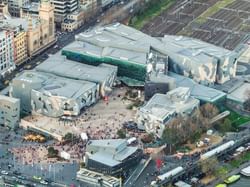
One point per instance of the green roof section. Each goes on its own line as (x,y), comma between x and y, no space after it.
(125,68)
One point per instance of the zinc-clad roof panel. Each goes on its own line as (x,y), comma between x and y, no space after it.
(66,68)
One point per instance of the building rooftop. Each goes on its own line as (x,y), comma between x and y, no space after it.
(198,91)
(86,174)
(32,7)
(59,65)
(240,94)
(196,45)
(110,152)
(17,22)
(245,56)
(123,42)
(54,85)
(163,105)
(108,143)
(9,99)
(181,184)
(68,21)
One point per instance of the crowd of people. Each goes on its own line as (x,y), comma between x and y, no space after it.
(101,121)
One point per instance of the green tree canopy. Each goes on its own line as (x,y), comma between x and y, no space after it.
(208,166)
(121,133)
(52,152)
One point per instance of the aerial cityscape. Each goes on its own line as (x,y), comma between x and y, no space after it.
(124,93)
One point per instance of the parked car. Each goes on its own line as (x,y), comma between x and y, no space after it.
(37,178)
(17,173)
(44,182)
(4,172)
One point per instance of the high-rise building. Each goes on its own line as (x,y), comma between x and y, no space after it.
(16,5)
(6,52)
(64,7)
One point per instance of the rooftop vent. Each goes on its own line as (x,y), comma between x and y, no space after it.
(179,38)
(86,35)
(102,39)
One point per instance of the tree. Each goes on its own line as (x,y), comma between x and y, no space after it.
(69,137)
(147,138)
(226,126)
(208,166)
(52,152)
(209,110)
(170,136)
(121,133)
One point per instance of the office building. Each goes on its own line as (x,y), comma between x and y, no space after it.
(9,111)
(7,52)
(31,9)
(63,8)
(20,44)
(15,6)
(73,21)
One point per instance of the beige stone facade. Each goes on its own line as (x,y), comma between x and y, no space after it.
(73,21)
(4,9)
(32,34)
(89,8)
(20,44)
(41,33)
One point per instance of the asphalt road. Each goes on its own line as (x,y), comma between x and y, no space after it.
(58,172)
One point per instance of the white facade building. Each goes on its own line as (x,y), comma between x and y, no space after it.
(63,8)
(7,57)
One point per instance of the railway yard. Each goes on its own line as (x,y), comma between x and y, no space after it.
(224,23)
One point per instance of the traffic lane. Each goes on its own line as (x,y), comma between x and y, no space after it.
(57,172)
(146,176)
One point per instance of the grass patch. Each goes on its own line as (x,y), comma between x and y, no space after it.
(212,10)
(183,149)
(236,119)
(245,27)
(222,171)
(153,9)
